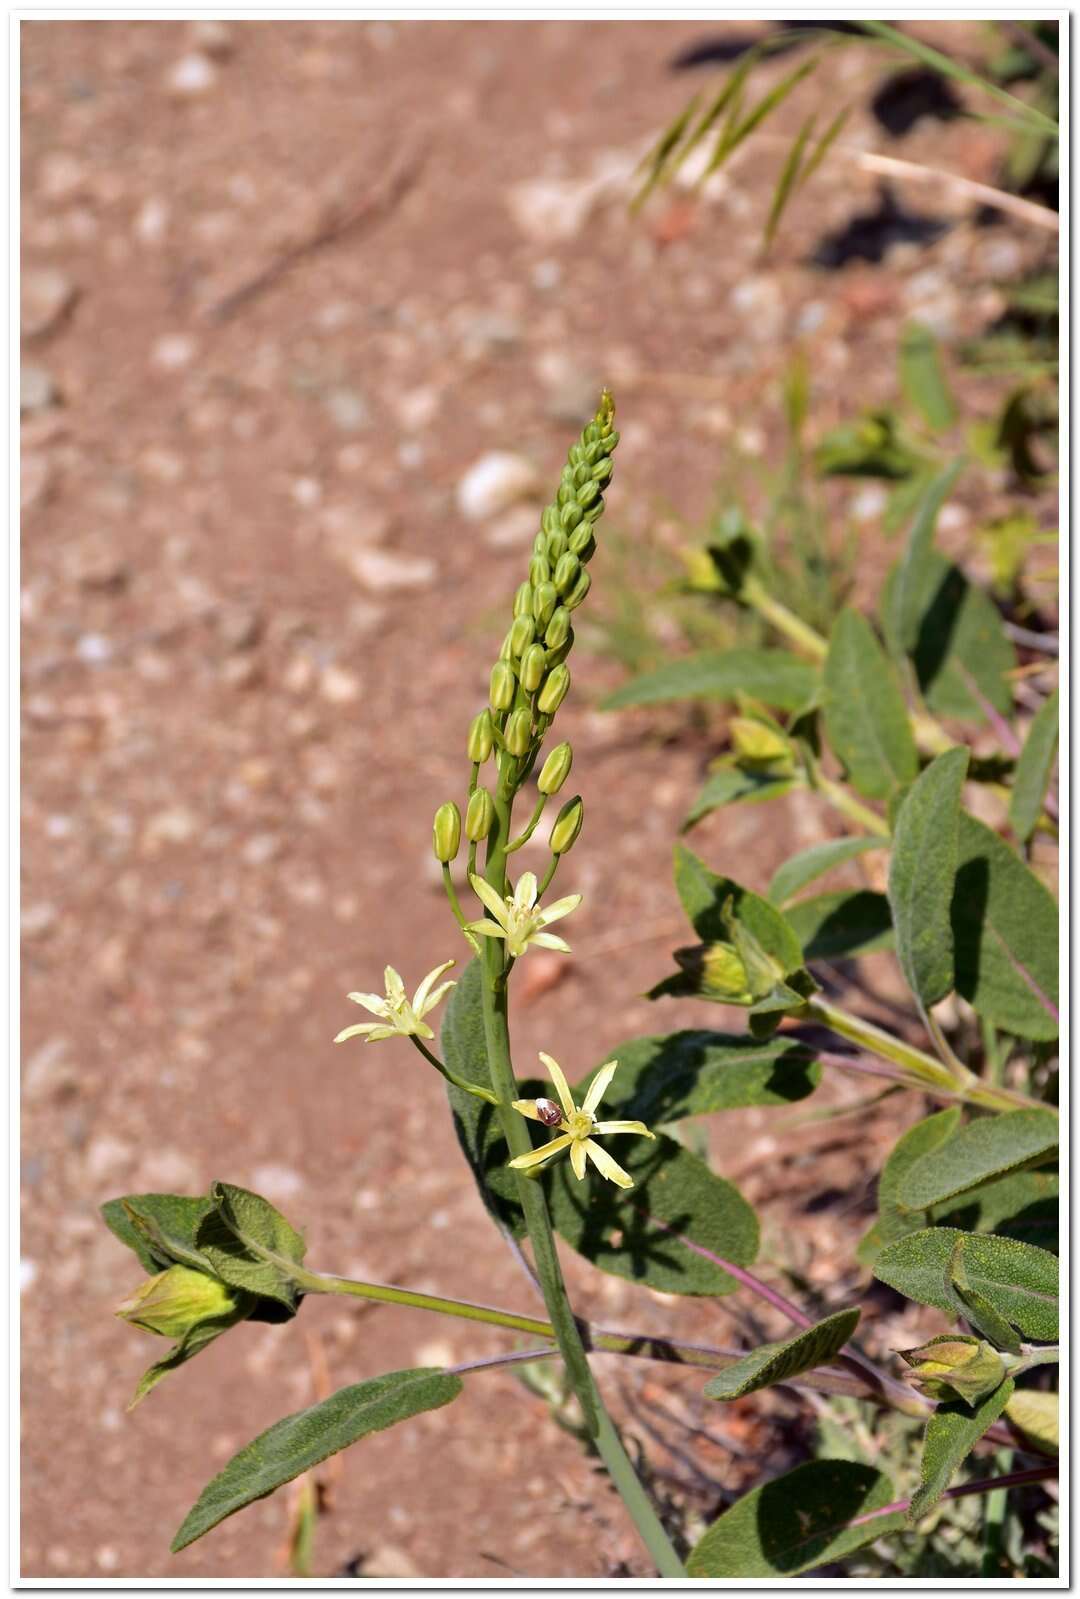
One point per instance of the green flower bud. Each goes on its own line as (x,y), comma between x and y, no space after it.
(176,1300)
(588,492)
(539,571)
(479,815)
(555,770)
(523,600)
(582,542)
(566,572)
(503,686)
(540,543)
(717,972)
(506,648)
(556,546)
(581,587)
(517,735)
(558,629)
(521,635)
(755,743)
(554,691)
(557,656)
(446,832)
(533,666)
(481,738)
(545,599)
(955,1365)
(549,522)
(567,826)
(603,469)
(571,514)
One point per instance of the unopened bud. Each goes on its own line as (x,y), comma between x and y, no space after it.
(481,738)
(545,599)
(176,1300)
(567,826)
(555,770)
(479,815)
(523,600)
(582,542)
(446,832)
(549,522)
(506,648)
(555,546)
(533,666)
(521,635)
(566,572)
(517,734)
(539,571)
(955,1364)
(540,543)
(558,629)
(554,691)
(503,686)
(603,469)
(757,743)
(556,656)
(570,513)
(581,587)
(587,492)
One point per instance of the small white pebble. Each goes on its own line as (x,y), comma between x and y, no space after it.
(27,1273)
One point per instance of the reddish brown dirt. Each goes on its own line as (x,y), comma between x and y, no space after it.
(236,736)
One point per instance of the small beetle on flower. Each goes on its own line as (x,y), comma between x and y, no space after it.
(576,1127)
(401,1020)
(518,918)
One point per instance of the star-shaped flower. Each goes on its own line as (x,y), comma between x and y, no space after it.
(400,1018)
(518,918)
(576,1127)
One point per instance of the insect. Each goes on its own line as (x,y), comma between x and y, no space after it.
(548,1112)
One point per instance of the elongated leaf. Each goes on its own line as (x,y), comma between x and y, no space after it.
(775,676)
(865,716)
(809,1517)
(1036,1415)
(962,655)
(176,1220)
(663,1079)
(657,159)
(731,137)
(909,581)
(1023,1205)
(797,172)
(922,378)
(302,1440)
(781,1361)
(893,1220)
(986,1148)
(922,872)
(1019,1280)
(814,862)
(704,896)
(1027,115)
(842,925)
(1005,935)
(951,1434)
(250,1245)
(731,784)
(1033,770)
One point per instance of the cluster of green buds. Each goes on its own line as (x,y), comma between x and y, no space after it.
(530,679)
(955,1366)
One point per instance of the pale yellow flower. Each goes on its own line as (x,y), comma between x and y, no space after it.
(518,918)
(401,1020)
(577,1126)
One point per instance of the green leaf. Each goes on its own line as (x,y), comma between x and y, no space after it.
(893,1220)
(250,1245)
(775,676)
(779,1362)
(796,173)
(986,1148)
(475,1122)
(1005,935)
(910,578)
(1036,1415)
(842,925)
(871,446)
(922,872)
(961,652)
(814,862)
(797,1522)
(302,1440)
(865,716)
(730,784)
(160,1228)
(922,378)
(663,1079)
(951,1433)
(733,135)
(1022,1205)
(1033,770)
(1019,1280)
(704,897)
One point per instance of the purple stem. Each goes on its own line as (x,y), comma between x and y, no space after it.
(1006,736)
(503,1360)
(1014,1479)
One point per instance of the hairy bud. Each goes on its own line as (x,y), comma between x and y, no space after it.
(176,1300)
(955,1365)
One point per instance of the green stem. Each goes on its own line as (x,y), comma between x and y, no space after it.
(839,798)
(523,838)
(784,621)
(545,881)
(452,1077)
(459,915)
(1041,1355)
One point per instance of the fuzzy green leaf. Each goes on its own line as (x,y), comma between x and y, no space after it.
(842,925)
(1023,1205)
(775,676)
(729,785)
(865,716)
(984,1149)
(694,1073)
(893,1221)
(961,652)
(781,1361)
(302,1440)
(250,1245)
(814,862)
(704,897)
(160,1228)
(1019,1280)
(1033,770)
(922,378)
(1005,934)
(910,576)
(797,1522)
(922,871)
(951,1433)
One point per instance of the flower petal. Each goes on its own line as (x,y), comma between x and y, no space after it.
(527,1107)
(354,1032)
(577,1158)
(375,1003)
(395,988)
(421,999)
(599,1086)
(525,892)
(486,929)
(561,907)
(562,1087)
(606,1166)
(418,1029)
(494,901)
(376,1033)
(537,1157)
(624,1127)
(549,941)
